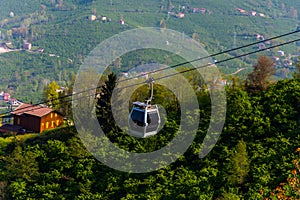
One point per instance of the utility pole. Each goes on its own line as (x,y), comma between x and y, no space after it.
(234,40)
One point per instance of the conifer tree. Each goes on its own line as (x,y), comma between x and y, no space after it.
(103,106)
(239,164)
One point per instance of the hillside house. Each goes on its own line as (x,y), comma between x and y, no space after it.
(180,15)
(104,18)
(281,53)
(40,50)
(196,10)
(36,118)
(202,10)
(258,36)
(276,58)
(92,17)
(122,22)
(27,46)
(11,14)
(253,13)
(261,46)
(288,63)
(124,74)
(242,11)
(14,102)
(4,96)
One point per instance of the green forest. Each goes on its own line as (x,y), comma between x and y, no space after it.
(256,156)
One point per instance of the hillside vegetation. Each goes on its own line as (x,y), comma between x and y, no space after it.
(257,154)
(61,28)
(256,157)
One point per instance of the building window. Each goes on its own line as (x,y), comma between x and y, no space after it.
(51,115)
(42,126)
(47,124)
(52,123)
(57,122)
(55,115)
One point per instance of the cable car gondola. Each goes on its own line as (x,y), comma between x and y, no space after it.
(144,119)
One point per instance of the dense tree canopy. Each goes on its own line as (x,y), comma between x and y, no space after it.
(256,157)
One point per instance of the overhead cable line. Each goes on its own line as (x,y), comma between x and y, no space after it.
(202,58)
(218,62)
(192,69)
(213,55)
(176,65)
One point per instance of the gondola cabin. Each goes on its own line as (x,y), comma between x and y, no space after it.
(144,120)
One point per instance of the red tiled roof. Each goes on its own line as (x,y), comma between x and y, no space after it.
(35,110)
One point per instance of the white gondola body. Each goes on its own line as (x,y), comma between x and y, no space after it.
(144,120)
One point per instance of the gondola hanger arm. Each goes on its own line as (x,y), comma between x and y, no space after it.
(150,82)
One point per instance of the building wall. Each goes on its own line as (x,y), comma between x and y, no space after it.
(52,120)
(28,122)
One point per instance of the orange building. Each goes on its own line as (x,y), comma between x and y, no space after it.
(36,118)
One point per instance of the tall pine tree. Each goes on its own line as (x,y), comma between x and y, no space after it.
(103,106)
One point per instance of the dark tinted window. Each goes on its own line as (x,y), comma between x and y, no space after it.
(138,117)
